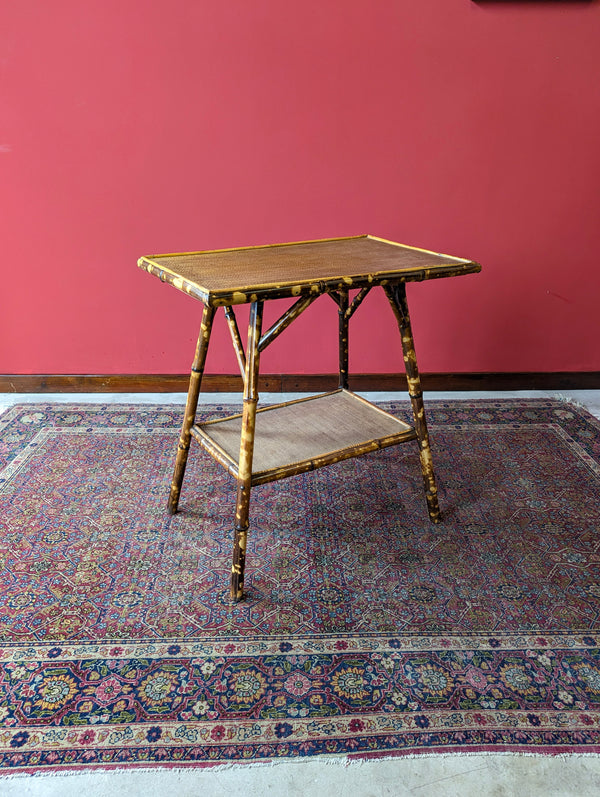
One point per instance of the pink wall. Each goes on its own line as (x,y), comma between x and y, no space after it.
(132,127)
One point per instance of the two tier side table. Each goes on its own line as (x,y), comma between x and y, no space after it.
(263,445)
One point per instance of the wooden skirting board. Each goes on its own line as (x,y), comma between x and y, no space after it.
(293,383)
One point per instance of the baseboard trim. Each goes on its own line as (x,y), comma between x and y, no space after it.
(293,383)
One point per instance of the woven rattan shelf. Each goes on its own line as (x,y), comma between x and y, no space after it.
(303,435)
(259,446)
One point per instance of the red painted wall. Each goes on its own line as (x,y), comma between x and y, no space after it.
(132,127)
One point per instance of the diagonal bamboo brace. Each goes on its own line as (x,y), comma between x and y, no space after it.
(282,323)
(236,339)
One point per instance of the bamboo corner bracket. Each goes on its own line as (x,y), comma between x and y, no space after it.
(263,445)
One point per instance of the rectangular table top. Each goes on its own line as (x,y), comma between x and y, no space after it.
(236,276)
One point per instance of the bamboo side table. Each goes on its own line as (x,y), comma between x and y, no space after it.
(259,446)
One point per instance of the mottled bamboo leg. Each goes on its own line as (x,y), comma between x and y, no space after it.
(246,452)
(397,297)
(191,406)
(343,338)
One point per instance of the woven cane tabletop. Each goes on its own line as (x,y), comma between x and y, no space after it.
(307,433)
(236,276)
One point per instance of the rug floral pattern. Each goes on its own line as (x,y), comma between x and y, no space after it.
(366,629)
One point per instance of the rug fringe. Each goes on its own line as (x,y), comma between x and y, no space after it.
(564,399)
(330,761)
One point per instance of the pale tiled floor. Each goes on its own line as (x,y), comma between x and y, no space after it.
(448,776)
(589,398)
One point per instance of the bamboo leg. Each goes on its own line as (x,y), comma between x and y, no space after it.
(397,298)
(343,339)
(191,406)
(246,452)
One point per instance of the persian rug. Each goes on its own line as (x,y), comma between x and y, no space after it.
(367,631)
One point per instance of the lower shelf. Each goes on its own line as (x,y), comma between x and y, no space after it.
(303,435)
